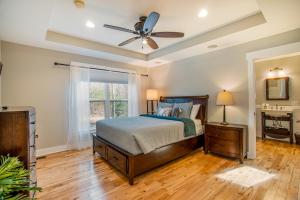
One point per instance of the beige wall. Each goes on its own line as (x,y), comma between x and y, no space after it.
(212,72)
(30,79)
(291,66)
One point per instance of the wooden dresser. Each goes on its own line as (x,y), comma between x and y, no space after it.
(17,137)
(227,140)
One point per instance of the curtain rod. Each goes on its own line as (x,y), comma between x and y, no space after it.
(68,65)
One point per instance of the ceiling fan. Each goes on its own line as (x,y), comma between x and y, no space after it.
(143,30)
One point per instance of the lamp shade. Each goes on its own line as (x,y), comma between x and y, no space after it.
(152,94)
(224,99)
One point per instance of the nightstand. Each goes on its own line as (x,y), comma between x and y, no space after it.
(227,140)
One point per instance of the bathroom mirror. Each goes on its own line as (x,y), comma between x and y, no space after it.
(277,88)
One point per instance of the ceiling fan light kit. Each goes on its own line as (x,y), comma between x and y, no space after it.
(144,29)
(145,41)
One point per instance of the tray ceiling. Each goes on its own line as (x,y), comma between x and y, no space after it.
(59,25)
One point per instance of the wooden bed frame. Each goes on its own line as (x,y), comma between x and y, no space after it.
(133,165)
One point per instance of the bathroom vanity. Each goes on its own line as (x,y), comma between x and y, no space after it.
(276,129)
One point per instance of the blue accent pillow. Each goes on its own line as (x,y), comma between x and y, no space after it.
(172,101)
(185,109)
(165,105)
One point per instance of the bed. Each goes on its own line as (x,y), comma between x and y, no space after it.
(121,142)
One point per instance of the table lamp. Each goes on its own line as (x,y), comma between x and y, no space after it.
(224,99)
(152,95)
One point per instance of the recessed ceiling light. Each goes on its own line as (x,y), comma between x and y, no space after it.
(203,13)
(212,46)
(89,24)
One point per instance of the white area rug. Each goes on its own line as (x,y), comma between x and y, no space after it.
(246,176)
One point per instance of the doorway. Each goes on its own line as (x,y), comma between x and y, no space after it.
(252,57)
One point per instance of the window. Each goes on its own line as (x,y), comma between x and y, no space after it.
(108,100)
(97,101)
(118,100)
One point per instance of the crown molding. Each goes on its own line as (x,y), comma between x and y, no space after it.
(92,45)
(233,27)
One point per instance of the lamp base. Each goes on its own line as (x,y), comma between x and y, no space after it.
(152,111)
(224,123)
(224,116)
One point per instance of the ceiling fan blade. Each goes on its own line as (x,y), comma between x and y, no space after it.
(150,22)
(167,34)
(119,28)
(152,43)
(129,41)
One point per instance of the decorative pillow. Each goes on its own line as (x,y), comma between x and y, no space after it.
(165,112)
(165,105)
(195,110)
(185,107)
(177,112)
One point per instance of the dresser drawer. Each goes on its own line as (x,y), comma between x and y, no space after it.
(100,148)
(33,183)
(224,147)
(33,174)
(116,159)
(32,140)
(32,153)
(32,135)
(32,128)
(222,133)
(32,117)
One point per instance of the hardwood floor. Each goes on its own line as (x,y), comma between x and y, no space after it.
(81,175)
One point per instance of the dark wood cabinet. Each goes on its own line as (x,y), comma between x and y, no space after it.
(17,137)
(276,130)
(227,140)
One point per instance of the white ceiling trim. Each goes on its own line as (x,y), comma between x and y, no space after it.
(278,57)
(237,26)
(233,27)
(88,44)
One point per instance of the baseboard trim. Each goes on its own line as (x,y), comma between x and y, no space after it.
(50,150)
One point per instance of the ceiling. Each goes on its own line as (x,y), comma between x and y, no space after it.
(180,16)
(59,25)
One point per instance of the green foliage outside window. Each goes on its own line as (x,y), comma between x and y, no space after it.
(114,95)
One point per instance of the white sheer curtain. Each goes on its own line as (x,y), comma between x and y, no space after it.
(133,94)
(79,109)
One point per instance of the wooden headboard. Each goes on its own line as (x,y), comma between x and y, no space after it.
(203,100)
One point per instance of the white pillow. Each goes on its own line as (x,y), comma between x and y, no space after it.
(195,110)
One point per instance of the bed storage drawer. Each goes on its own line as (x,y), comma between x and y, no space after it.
(100,148)
(117,159)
